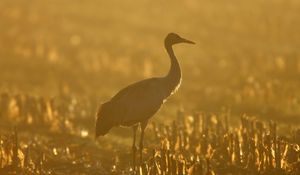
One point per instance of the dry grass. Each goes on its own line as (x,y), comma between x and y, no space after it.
(52,142)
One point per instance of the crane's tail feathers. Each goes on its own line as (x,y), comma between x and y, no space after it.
(104,120)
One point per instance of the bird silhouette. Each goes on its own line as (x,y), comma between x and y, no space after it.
(138,102)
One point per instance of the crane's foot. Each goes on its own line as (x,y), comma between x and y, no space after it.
(134,149)
(141,157)
(141,154)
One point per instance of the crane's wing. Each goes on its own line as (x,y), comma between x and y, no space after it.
(138,102)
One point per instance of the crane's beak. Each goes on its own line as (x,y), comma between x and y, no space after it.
(187,41)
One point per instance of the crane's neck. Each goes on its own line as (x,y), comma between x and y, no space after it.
(173,78)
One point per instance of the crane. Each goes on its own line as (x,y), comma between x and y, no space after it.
(137,103)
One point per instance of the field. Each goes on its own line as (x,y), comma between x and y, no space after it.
(237,110)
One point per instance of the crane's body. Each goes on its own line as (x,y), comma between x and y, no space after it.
(132,111)
(138,102)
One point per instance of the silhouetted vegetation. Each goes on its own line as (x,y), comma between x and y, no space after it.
(193,144)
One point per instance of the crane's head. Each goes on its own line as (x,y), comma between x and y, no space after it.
(173,38)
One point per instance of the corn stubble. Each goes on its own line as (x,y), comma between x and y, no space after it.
(198,144)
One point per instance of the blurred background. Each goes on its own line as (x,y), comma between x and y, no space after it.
(247,56)
(60,59)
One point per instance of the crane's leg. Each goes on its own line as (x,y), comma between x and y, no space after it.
(143,127)
(134,147)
